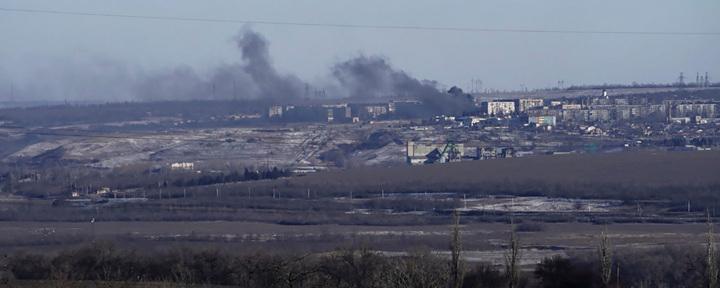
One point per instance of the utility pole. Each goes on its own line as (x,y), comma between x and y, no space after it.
(92,228)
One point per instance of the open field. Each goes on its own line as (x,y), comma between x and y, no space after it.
(556,201)
(638,168)
(482,241)
(107,284)
(675,177)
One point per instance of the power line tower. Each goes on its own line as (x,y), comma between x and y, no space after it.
(475,85)
(707,80)
(681,79)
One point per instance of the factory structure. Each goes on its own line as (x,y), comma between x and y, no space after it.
(431,153)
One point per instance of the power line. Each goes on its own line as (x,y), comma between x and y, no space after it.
(359,26)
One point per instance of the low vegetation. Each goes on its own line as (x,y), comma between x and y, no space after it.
(670,266)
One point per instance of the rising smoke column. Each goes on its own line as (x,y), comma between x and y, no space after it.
(253,78)
(270,84)
(373,77)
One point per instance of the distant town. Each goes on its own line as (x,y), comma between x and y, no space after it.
(505,128)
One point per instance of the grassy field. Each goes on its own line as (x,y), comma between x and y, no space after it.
(95,284)
(640,168)
(248,237)
(292,223)
(676,176)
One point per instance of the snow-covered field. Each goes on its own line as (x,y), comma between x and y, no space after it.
(542,204)
(244,146)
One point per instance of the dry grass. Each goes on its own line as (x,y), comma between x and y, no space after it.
(653,168)
(98,284)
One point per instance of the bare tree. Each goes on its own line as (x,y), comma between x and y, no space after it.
(5,273)
(456,264)
(512,259)
(711,268)
(605,259)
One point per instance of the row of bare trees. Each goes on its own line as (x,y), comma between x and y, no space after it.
(685,266)
(362,267)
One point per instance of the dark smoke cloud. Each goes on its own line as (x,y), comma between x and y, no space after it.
(254,78)
(373,77)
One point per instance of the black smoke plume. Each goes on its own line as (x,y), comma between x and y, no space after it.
(253,78)
(373,77)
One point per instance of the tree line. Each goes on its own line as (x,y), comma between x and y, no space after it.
(234,176)
(667,266)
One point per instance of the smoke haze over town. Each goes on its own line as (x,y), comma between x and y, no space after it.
(115,59)
(340,144)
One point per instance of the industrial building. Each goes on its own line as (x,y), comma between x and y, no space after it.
(418,153)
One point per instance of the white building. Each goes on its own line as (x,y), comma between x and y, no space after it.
(275,111)
(182,166)
(496,108)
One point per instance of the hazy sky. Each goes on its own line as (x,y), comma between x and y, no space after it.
(38,46)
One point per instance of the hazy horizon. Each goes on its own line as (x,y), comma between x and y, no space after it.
(56,57)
